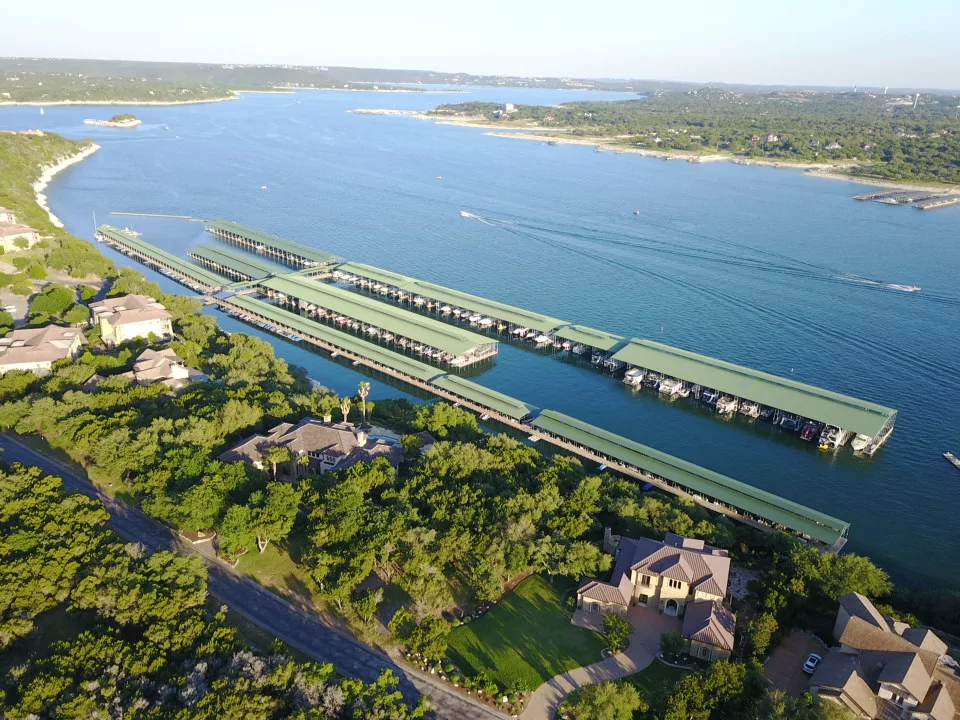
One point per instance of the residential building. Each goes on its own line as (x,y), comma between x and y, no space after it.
(129,317)
(163,366)
(883,668)
(325,445)
(36,349)
(11,231)
(679,577)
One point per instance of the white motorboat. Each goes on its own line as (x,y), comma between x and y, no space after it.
(727,404)
(749,408)
(578,349)
(670,386)
(543,339)
(634,377)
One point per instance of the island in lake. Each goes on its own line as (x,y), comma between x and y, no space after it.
(125,120)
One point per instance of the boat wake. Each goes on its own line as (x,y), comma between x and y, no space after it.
(485,221)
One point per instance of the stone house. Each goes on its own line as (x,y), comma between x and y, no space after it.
(679,577)
(129,317)
(318,446)
(883,668)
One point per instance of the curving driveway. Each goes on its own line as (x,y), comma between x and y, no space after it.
(648,625)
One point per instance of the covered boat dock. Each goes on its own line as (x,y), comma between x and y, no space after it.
(484,396)
(745,384)
(186,273)
(235,265)
(425,336)
(274,246)
(444,300)
(709,488)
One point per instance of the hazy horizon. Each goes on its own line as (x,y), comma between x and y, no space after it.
(739,42)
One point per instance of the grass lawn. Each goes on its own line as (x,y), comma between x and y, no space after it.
(527,637)
(656,680)
(275,569)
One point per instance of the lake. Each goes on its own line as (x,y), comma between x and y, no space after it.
(756,265)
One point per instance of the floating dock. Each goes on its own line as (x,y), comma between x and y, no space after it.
(407,330)
(905,197)
(274,246)
(938,202)
(186,273)
(234,265)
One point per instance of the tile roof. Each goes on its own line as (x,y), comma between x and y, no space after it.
(841,672)
(861,635)
(859,606)
(604,592)
(703,567)
(38,345)
(937,703)
(925,639)
(905,669)
(127,309)
(311,435)
(709,622)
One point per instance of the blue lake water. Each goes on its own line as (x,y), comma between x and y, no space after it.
(748,264)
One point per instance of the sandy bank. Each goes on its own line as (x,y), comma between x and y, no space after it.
(48,172)
(120,102)
(892,184)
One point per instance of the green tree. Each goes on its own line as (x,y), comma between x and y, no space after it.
(77,315)
(236,530)
(345,405)
(363,392)
(274,512)
(604,701)
(672,644)
(276,454)
(199,507)
(617,629)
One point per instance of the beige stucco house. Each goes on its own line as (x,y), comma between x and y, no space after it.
(36,349)
(129,317)
(163,366)
(883,668)
(679,577)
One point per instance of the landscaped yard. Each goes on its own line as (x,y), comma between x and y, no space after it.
(275,569)
(527,637)
(655,681)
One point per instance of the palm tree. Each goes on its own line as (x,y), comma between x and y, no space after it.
(276,454)
(363,392)
(345,405)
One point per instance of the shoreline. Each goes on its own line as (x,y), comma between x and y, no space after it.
(54,103)
(820,170)
(48,172)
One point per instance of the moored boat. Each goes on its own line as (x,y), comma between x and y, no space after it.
(670,386)
(633,377)
(727,404)
(749,408)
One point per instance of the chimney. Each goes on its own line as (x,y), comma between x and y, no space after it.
(361,438)
(328,418)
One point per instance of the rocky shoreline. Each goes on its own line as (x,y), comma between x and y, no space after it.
(47,174)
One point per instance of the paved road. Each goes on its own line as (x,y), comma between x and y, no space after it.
(294,626)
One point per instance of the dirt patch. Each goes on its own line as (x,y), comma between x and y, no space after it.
(784,667)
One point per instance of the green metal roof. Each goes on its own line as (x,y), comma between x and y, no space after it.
(450,339)
(588,336)
(777,392)
(162,257)
(501,311)
(344,341)
(242,263)
(696,479)
(511,407)
(274,241)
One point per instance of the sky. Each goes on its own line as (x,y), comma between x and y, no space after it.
(795,42)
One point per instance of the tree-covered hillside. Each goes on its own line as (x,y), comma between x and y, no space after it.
(885,135)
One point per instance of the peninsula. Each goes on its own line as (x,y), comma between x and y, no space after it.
(117,121)
(911,139)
